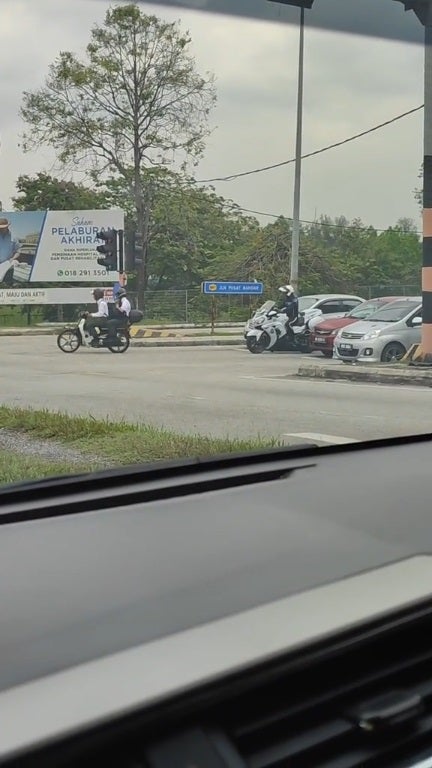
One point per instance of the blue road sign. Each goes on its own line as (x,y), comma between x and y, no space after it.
(225,288)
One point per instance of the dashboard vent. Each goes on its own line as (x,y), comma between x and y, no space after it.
(362,707)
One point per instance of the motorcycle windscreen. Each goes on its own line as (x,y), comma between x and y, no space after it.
(266,307)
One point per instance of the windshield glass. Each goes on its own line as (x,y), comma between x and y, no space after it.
(306,302)
(394,312)
(366,309)
(166,167)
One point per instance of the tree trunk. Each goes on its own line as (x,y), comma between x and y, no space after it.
(143,202)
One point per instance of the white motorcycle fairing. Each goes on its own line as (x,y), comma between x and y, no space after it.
(274,327)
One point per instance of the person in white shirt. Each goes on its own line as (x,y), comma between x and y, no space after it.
(99,319)
(121,314)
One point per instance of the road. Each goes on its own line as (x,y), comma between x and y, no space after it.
(220,391)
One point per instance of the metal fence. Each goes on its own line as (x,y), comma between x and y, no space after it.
(373,291)
(182,306)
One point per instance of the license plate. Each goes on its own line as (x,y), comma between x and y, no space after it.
(346,346)
(319,340)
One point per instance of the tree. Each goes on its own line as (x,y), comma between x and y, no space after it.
(192,232)
(136,102)
(335,255)
(43,192)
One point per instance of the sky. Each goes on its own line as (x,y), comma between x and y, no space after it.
(351,83)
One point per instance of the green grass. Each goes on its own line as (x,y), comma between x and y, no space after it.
(17,467)
(122,442)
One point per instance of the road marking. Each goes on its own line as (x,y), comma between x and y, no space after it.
(317,437)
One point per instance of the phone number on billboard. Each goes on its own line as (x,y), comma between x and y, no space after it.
(81,272)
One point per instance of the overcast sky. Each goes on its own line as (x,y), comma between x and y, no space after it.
(351,84)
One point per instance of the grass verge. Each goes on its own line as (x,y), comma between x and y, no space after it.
(121,442)
(17,467)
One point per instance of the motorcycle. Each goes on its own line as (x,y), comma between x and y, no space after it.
(72,338)
(270,333)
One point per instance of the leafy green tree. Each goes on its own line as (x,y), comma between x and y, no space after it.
(42,192)
(136,102)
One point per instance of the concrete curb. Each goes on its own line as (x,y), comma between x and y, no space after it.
(395,375)
(30,331)
(189,343)
(147,333)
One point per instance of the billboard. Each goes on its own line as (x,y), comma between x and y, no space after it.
(53,246)
(38,296)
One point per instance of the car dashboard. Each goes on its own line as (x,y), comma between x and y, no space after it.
(261,610)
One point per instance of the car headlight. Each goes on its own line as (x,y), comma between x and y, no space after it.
(371,335)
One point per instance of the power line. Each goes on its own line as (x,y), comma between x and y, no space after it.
(319,223)
(233,176)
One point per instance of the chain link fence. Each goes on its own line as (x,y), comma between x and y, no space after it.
(373,291)
(181,307)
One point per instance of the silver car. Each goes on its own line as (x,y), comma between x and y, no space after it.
(385,337)
(314,308)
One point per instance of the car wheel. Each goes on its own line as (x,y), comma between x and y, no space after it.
(393,352)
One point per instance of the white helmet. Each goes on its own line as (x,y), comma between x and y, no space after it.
(288,289)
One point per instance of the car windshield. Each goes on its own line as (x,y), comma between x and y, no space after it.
(365,310)
(394,312)
(167,166)
(306,302)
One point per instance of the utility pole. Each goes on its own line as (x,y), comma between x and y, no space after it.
(295,238)
(423,11)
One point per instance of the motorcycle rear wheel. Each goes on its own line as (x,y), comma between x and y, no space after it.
(68,341)
(257,346)
(123,344)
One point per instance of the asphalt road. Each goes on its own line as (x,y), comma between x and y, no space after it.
(222,391)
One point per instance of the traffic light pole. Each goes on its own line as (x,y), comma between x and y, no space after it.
(120,252)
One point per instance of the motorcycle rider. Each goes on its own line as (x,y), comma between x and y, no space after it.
(120,314)
(289,307)
(95,321)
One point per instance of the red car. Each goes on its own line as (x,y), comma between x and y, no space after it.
(323,334)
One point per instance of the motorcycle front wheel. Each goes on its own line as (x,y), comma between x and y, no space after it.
(256,346)
(68,341)
(122,344)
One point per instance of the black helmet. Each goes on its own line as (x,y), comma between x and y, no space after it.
(98,294)
(121,293)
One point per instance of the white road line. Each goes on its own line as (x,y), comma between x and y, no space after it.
(317,437)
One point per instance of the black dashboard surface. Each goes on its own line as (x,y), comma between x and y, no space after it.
(77,587)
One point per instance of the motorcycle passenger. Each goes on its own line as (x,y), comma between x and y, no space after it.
(96,321)
(120,314)
(289,307)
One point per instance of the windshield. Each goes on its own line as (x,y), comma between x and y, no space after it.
(165,168)
(394,312)
(366,309)
(306,302)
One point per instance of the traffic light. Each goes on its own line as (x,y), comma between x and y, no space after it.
(134,250)
(109,249)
